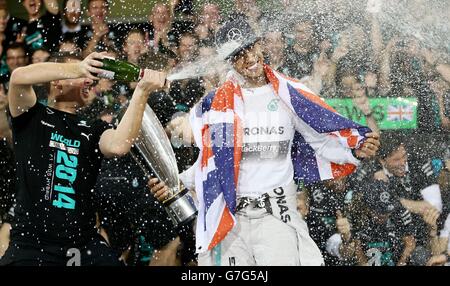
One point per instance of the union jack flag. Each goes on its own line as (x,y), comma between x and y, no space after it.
(400,112)
(321,148)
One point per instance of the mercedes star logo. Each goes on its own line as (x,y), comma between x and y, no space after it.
(234,35)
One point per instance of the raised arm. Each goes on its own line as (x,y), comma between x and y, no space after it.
(409,244)
(21,94)
(118,142)
(385,65)
(444,70)
(376,38)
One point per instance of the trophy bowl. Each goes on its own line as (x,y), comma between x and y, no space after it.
(156,151)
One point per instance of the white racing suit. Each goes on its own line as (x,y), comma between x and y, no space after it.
(269,232)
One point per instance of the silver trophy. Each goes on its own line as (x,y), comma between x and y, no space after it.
(155,149)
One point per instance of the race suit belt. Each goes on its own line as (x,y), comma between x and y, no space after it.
(261,202)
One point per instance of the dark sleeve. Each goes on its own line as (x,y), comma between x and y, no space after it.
(21,121)
(425,173)
(98,127)
(404,221)
(7,175)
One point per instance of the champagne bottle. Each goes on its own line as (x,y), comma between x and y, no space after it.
(120,70)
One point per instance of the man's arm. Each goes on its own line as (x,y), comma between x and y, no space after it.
(437,244)
(347,247)
(362,103)
(434,60)
(180,127)
(21,94)
(303,202)
(4,237)
(444,70)
(327,146)
(5,130)
(118,142)
(52,6)
(359,254)
(385,66)
(99,31)
(409,243)
(376,38)
(417,207)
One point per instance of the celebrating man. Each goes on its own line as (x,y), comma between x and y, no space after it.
(58,157)
(256,133)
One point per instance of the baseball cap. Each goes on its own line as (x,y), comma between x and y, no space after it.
(377,198)
(234,36)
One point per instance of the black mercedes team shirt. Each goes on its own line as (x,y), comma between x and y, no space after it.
(58,160)
(382,243)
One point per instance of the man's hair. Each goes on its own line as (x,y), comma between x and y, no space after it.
(63,57)
(65,4)
(188,34)
(67,40)
(106,2)
(15,46)
(134,31)
(41,49)
(160,4)
(390,142)
(3,5)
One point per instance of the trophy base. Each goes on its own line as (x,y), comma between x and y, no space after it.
(181,208)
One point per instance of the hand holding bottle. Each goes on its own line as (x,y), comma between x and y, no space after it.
(91,66)
(149,80)
(152,80)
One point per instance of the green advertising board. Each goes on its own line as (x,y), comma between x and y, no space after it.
(389,112)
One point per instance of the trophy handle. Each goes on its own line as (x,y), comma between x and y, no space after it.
(174,191)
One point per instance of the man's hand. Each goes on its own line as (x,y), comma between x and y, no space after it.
(158,189)
(180,128)
(99,30)
(370,147)
(21,36)
(152,80)
(361,101)
(371,80)
(430,216)
(343,226)
(90,65)
(437,260)
(381,176)
(342,49)
(4,238)
(322,65)
(3,100)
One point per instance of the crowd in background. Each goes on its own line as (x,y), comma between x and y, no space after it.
(394,210)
